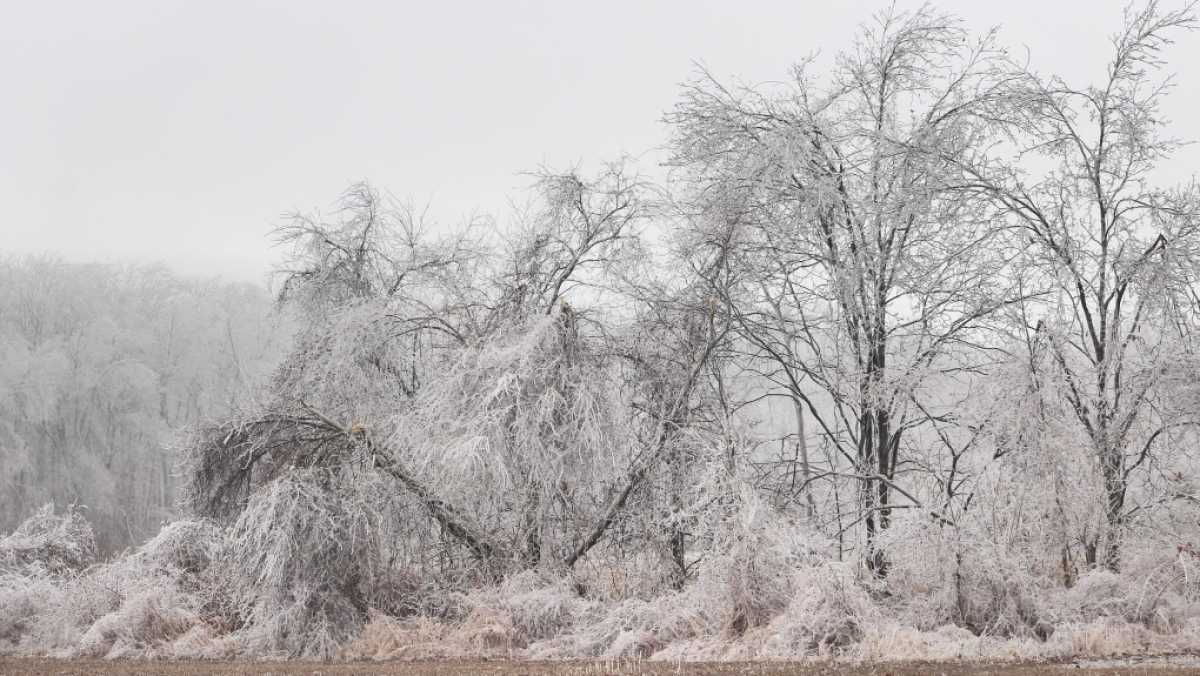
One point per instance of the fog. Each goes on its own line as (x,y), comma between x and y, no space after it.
(178,131)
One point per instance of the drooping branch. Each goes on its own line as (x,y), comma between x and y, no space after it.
(451,519)
(666,424)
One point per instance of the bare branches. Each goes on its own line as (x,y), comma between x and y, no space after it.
(451,519)
(377,248)
(667,424)
(863,265)
(582,228)
(1104,241)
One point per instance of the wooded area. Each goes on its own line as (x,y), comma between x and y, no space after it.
(899,361)
(100,366)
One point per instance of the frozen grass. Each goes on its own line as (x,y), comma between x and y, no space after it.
(43,667)
(283,582)
(819,612)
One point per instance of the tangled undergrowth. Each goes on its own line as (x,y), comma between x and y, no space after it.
(185,594)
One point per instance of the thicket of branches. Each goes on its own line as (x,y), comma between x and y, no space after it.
(900,362)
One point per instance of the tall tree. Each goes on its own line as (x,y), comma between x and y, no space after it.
(1117,254)
(870,269)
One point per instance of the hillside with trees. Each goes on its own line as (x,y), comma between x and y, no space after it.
(100,367)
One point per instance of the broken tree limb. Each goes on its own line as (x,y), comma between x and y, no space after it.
(639,471)
(452,520)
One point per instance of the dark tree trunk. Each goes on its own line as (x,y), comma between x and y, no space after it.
(1112,466)
(876,457)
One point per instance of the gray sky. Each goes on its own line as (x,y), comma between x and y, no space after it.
(180,131)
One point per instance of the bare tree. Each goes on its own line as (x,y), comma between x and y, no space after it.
(1117,254)
(524,398)
(871,271)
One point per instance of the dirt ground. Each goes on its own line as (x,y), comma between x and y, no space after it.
(50,667)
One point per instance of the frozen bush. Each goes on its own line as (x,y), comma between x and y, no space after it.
(147,618)
(136,605)
(187,546)
(52,543)
(827,613)
(39,562)
(23,598)
(1156,601)
(997,599)
(300,558)
(543,606)
(944,574)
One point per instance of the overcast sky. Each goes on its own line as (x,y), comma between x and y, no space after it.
(179,132)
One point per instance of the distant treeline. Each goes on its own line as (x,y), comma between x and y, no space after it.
(99,366)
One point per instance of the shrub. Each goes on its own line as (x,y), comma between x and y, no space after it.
(50,543)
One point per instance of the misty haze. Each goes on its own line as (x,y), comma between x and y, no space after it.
(675,337)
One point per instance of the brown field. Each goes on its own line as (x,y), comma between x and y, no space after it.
(52,667)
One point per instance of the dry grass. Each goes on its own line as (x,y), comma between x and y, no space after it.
(52,667)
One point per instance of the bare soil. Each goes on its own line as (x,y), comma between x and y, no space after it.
(1159,666)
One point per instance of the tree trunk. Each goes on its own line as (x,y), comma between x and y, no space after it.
(533,531)
(875,456)
(810,504)
(1112,466)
